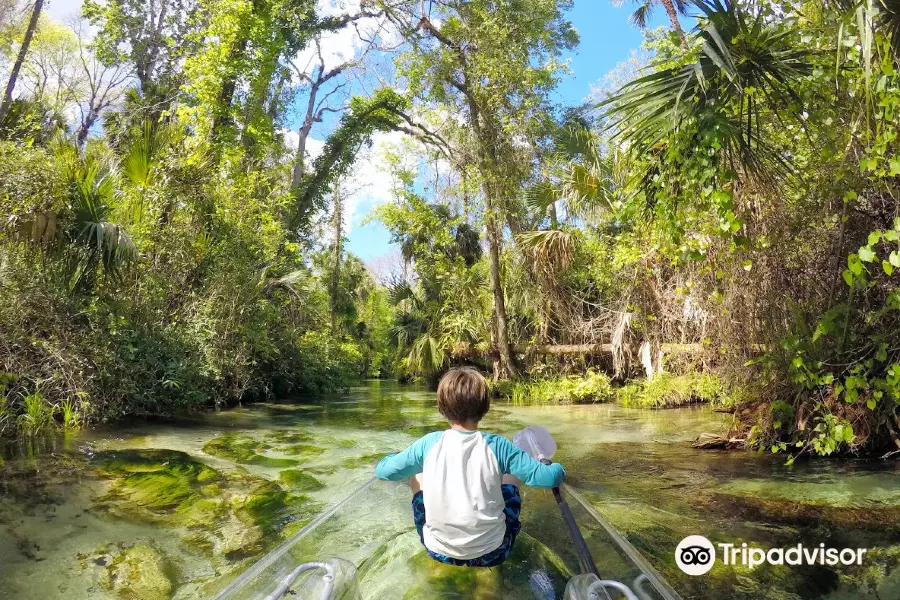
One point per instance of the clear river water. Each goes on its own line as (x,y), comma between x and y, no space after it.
(178,509)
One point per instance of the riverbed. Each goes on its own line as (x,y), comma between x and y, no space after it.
(178,509)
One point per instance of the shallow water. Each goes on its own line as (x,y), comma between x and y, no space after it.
(177,510)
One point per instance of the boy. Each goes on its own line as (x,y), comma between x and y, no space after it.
(465,483)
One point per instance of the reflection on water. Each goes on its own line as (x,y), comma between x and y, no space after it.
(177,510)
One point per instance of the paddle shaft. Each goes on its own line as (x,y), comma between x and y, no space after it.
(584,554)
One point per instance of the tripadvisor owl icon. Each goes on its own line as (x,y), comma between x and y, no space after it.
(695,555)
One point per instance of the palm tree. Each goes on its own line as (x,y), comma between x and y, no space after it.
(743,57)
(642,13)
(91,241)
(584,183)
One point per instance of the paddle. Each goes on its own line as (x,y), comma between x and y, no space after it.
(537,443)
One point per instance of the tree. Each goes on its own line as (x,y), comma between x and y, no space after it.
(51,72)
(151,37)
(20,59)
(319,100)
(495,63)
(337,248)
(746,63)
(642,13)
(104,84)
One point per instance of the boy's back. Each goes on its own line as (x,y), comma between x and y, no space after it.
(466,500)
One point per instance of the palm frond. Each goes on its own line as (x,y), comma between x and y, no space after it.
(888,22)
(94,240)
(426,355)
(741,55)
(641,15)
(552,250)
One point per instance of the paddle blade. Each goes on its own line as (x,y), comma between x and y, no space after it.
(536,442)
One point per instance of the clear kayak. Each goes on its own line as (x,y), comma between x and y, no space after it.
(366,547)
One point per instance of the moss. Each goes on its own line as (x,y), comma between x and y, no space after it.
(199,512)
(244,450)
(298,480)
(139,572)
(288,436)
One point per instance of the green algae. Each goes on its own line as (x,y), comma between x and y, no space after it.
(139,572)
(154,479)
(244,450)
(366,460)
(270,507)
(305,451)
(301,481)
(288,436)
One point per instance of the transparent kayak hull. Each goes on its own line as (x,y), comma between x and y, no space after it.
(369,543)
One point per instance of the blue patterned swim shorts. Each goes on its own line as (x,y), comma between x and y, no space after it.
(494,557)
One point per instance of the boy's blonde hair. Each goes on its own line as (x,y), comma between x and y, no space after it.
(463,395)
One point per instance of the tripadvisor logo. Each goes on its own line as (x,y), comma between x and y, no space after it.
(695,555)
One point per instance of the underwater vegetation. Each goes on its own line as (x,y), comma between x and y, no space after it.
(299,480)
(245,451)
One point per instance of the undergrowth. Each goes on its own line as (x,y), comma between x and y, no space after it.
(592,387)
(667,390)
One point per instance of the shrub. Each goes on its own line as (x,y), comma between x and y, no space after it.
(669,390)
(592,387)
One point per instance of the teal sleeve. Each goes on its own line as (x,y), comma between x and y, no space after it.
(528,470)
(402,465)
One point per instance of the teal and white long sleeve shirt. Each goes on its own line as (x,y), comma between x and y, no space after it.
(461,478)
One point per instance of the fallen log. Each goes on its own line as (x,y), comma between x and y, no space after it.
(564,349)
(710,441)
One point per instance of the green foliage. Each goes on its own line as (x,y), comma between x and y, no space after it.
(667,390)
(37,415)
(380,112)
(593,387)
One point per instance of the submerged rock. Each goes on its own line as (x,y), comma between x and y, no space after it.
(269,507)
(303,450)
(139,572)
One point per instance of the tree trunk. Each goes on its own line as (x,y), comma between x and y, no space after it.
(23,51)
(507,362)
(229,84)
(673,17)
(85,128)
(337,224)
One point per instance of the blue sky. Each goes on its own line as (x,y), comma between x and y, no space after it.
(607,38)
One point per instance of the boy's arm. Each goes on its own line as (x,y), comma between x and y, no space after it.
(516,462)
(402,465)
